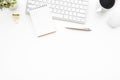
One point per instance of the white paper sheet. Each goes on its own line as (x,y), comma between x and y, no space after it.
(42,21)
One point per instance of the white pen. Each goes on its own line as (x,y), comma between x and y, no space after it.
(47,34)
(82,29)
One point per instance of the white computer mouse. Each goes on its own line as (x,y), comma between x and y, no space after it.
(114,19)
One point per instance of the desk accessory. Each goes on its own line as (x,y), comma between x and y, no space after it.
(114,19)
(80,29)
(65,10)
(7,3)
(47,34)
(105,5)
(42,21)
(16,17)
(14,7)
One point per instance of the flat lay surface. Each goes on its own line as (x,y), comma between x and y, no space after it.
(64,55)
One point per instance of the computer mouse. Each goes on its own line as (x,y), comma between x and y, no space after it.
(114,20)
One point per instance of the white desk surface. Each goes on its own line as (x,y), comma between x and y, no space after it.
(66,55)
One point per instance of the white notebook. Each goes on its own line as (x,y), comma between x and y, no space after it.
(42,21)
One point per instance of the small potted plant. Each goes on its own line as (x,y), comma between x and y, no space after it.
(12,5)
(8,4)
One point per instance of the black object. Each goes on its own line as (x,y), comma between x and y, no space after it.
(107,3)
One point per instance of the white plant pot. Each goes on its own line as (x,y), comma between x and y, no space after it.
(14,7)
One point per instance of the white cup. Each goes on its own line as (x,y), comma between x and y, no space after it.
(102,8)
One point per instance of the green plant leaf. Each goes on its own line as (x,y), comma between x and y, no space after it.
(7,3)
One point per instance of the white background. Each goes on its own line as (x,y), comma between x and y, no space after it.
(66,55)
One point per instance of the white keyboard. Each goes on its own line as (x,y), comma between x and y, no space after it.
(66,10)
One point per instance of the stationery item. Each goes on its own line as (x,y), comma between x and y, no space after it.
(80,29)
(16,17)
(42,21)
(47,34)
